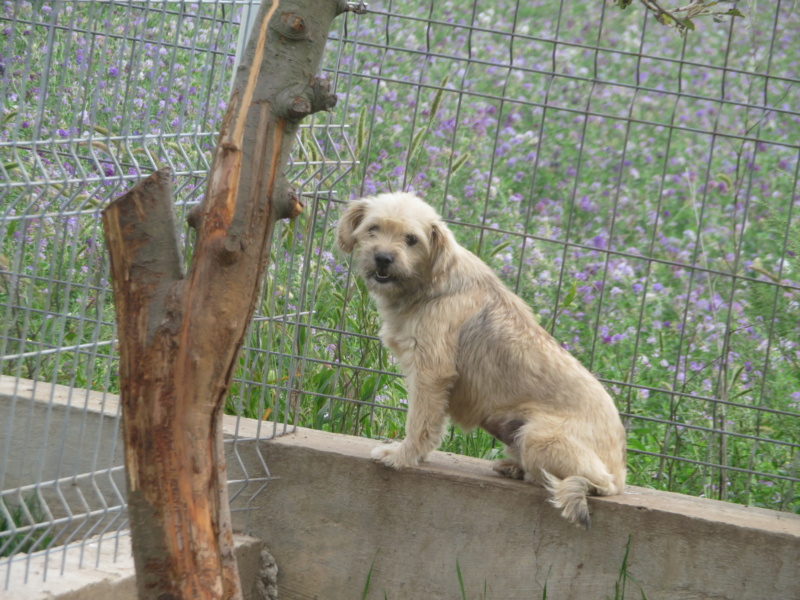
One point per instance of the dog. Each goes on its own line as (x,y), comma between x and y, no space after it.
(472,350)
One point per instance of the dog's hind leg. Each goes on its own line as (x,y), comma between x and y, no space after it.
(508,467)
(569,472)
(505,429)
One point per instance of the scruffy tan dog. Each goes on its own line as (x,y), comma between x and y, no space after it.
(471,349)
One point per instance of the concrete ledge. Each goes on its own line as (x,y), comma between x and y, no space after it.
(107,577)
(335,518)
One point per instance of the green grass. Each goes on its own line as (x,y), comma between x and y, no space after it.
(369,578)
(676,236)
(665,335)
(26,514)
(621,586)
(622,590)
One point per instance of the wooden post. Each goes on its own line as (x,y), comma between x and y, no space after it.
(180,334)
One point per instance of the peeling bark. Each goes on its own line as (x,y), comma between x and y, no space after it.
(180,334)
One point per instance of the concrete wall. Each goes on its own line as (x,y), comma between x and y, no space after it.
(414,530)
(334,519)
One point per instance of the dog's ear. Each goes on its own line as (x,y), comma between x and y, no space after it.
(350,220)
(442,243)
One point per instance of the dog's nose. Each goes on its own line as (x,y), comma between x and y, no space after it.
(383,260)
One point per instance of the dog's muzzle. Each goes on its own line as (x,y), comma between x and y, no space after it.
(382,263)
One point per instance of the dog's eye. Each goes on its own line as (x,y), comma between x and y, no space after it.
(374,229)
(411,239)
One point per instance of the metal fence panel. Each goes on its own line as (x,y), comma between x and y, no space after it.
(94,95)
(638,189)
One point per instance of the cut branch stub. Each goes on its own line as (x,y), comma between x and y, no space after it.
(291,27)
(287,201)
(143,246)
(301,100)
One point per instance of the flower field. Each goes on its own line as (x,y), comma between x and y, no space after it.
(639,190)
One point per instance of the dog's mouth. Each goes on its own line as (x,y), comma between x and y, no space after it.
(382,277)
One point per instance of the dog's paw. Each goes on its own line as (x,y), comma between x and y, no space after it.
(393,455)
(509,468)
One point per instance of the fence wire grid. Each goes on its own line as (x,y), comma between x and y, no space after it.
(638,189)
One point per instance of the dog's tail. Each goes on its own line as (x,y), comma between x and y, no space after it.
(569,495)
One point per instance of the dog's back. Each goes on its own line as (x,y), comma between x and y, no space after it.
(570,439)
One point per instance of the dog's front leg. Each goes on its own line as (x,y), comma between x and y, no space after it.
(427,413)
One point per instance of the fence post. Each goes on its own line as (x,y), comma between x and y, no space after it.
(180,334)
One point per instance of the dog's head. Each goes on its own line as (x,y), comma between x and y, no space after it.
(401,243)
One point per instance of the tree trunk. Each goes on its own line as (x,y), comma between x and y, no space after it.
(180,334)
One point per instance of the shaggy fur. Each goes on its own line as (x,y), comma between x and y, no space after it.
(473,351)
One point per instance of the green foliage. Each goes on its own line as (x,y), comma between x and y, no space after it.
(26,514)
(568,208)
(460,581)
(369,577)
(679,329)
(775,308)
(421,134)
(620,586)
(681,19)
(679,334)
(624,576)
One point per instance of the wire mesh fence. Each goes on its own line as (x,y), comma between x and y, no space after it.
(638,189)
(95,94)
